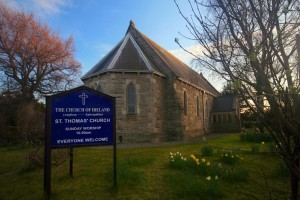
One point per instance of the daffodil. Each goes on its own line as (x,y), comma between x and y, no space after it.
(208,163)
(262,142)
(203,160)
(208,178)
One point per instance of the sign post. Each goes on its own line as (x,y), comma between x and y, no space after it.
(78,118)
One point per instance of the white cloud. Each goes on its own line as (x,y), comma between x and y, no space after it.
(50,6)
(40,7)
(11,3)
(185,56)
(103,49)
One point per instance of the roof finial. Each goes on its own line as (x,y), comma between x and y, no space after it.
(132,23)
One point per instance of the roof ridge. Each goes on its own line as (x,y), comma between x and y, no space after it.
(184,66)
(155,58)
(152,49)
(131,25)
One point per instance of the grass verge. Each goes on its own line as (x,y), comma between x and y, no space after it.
(145,173)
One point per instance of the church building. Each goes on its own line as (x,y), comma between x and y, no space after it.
(158,97)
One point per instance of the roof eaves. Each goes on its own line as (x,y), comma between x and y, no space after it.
(90,72)
(197,86)
(124,71)
(119,52)
(145,38)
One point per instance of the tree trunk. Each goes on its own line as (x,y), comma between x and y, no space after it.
(294,185)
(260,104)
(294,175)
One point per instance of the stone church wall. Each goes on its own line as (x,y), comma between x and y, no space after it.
(226,122)
(196,120)
(148,123)
(160,107)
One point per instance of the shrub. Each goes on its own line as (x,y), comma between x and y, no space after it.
(212,186)
(255,137)
(254,148)
(177,161)
(237,174)
(207,150)
(248,124)
(282,170)
(230,158)
(272,147)
(187,186)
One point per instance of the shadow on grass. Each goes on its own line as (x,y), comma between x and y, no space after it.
(187,186)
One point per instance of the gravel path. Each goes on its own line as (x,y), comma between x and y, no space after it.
(145,145)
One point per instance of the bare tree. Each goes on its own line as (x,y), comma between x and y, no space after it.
(36,59)
(252,43)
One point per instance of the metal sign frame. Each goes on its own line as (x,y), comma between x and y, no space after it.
(68,113)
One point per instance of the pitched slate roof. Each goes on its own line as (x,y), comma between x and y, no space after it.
(224,104)
(138,53)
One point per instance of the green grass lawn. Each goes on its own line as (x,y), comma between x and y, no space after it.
(145,173)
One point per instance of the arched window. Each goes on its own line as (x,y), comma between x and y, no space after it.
(131,98)
(197,104)
(185,102)
(224,116)
(215,119)
(219,118)
(229,117)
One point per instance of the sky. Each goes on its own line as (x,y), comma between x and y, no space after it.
(98,25)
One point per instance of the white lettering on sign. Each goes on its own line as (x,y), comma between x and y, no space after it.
(73,128)
(105,120)
(77,121)
(76,110)
(92,128)
(81,140)
(96,139)
(67,141)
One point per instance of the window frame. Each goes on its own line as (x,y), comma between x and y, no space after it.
(185,103)
(131,98)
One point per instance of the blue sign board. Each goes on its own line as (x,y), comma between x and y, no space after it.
(82,117)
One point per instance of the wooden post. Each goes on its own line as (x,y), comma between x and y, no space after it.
(47,158)
(71,161)
(115,144)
